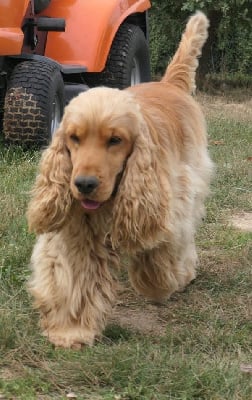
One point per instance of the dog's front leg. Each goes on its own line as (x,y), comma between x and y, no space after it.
(72,288)
(159,272)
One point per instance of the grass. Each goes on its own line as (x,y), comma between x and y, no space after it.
(198,341)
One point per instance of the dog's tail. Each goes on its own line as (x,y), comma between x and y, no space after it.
(181,70)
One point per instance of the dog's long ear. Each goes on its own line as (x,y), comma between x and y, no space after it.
(51,198)
(141,205)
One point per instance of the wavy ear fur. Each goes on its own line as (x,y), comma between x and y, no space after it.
(51,198)
(141,205)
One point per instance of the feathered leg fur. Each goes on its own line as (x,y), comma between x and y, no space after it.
(157,273)
(171,265)
(71,282)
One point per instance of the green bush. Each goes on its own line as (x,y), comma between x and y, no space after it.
(229,48)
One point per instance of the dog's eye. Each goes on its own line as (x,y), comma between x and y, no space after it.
(114,140)
(74,138)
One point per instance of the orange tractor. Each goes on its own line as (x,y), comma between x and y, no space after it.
(50,50)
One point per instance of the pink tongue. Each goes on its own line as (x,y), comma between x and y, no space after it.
(90,204)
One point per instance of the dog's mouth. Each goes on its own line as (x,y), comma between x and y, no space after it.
(90,204)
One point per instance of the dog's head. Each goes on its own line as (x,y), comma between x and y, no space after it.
(99,129)
(102,154)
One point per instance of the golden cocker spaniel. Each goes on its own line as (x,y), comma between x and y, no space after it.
(127,172)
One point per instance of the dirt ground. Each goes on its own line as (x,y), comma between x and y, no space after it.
(242,221)
(135,313)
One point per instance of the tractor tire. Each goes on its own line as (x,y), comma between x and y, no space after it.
(1,111)
(128,62)
(34,103)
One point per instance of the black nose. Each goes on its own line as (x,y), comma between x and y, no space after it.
(86,184)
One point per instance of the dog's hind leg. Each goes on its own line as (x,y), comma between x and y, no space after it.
(72,287)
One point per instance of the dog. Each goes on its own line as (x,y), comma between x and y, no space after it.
(127,172)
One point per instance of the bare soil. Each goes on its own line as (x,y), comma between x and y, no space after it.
(137,314)
(242,221)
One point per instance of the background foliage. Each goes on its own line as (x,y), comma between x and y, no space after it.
(228,51)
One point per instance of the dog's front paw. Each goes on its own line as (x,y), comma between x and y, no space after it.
(70,338)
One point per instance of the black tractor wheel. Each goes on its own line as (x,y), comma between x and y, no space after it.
(128,62)
(34,103)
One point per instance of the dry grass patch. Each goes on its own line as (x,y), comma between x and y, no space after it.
(234,107)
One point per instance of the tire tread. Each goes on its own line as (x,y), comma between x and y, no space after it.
(26,103)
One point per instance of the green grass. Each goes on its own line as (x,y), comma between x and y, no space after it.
(206,330)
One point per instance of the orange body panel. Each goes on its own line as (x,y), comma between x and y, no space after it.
(90,29)
(11,35)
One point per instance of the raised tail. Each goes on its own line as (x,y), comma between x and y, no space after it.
(181,70)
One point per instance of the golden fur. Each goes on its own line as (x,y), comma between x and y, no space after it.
(146,146)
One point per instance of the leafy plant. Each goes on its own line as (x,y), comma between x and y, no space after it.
(229,47)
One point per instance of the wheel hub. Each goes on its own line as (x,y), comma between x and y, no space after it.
(56,115)
(135,73)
